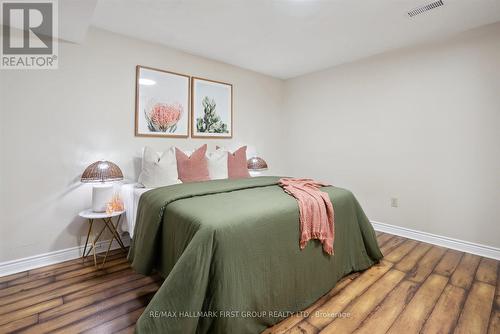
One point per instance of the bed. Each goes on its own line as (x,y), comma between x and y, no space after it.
(229,253)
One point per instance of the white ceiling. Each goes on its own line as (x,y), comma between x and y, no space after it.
(287,38)
(74,19)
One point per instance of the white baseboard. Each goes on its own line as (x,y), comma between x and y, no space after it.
(460,245)
(32,262)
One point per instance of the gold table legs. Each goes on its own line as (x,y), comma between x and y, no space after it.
(108,223)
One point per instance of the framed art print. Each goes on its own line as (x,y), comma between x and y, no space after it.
(212,109)
(162,103)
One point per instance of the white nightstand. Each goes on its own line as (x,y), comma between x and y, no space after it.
(92,216)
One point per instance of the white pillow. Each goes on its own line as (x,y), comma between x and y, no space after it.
(217,165)
(158,170)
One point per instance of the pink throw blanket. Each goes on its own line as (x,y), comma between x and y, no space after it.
(316,211)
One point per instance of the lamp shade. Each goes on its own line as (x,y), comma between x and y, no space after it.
(256,164)
(102,171)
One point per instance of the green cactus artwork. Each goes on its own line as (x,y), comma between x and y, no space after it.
(210,122)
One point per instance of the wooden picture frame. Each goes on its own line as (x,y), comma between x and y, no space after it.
(162,103)
(206,120)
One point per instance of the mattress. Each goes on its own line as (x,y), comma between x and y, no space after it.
(131,193)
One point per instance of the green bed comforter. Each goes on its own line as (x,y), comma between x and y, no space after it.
(229,252)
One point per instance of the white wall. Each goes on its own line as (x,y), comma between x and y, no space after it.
(55,123)
(420,124)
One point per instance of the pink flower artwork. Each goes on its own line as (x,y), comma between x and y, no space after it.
(163,117)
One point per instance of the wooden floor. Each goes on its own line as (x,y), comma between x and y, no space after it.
(417,288)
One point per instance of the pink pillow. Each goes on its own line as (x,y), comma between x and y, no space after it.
(193,168)
(237,164)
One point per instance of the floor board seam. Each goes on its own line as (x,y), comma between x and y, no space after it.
(129,304)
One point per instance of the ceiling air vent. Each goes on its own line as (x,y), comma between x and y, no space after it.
(425,8)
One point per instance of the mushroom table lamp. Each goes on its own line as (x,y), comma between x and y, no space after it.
(256,165)
(101,173)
